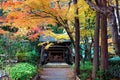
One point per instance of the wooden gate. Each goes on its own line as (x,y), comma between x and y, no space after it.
(56,56)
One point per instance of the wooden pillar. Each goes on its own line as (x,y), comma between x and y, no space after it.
(69,53)
(41,56)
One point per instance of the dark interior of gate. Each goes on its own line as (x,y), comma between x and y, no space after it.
(61,52)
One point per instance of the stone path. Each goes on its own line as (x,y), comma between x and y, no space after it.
(57,71)
(57,74)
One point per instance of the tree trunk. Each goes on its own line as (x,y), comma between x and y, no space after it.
(104,45)
(114,31)
(77,40)
(117,13)
(96,46)
(96,43)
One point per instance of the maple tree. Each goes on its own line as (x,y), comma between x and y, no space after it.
(41,12)
(59,15)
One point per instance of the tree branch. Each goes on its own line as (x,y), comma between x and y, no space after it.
(69,5)
(96,7)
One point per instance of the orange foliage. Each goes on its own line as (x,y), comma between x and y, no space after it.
(34,33)
(34,37)
(44,6)
(10,4)
(2,31)
(28,13)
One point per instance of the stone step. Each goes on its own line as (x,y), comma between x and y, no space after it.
(56,65)
(57,79)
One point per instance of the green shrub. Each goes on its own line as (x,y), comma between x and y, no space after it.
(21,56)
(114,66)
(33,56)
(30,56)
(8,67)
(113,70)
(10,46)
(115,60)
(85,70)
(102,75)
(22,71)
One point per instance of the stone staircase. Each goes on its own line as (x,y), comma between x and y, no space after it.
(57,71)
(57,74)
(56,65)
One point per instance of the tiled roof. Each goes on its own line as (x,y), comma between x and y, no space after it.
(51,39)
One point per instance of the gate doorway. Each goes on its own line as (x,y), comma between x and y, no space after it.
(56,56)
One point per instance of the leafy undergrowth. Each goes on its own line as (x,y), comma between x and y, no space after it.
(29,56)
(23,71)
(114,67)
(85,70)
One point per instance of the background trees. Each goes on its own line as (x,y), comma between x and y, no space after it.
(104,9)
